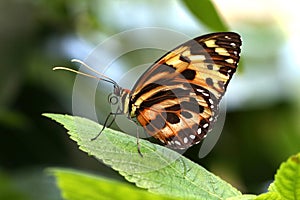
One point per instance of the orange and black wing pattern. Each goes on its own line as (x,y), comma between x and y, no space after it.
(176,100)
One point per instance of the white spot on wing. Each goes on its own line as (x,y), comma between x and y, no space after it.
(177,142)
(199,131)
(202,91)
(185,140)
(199,90)
(192,137)
(197,58)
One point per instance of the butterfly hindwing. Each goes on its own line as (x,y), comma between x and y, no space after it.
(176,100)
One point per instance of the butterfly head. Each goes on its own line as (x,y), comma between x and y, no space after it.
(117,90)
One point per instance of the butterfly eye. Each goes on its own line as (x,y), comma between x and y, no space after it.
(112,99)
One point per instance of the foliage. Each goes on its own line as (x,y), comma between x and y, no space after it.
(79,185)
(207,14)
(287,181)
(160,170)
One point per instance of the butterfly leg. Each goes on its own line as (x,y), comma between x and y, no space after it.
(137,142)
(106,125)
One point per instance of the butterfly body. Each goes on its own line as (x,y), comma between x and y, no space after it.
(176,100)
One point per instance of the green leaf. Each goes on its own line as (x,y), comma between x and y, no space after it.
(160,170)
(287,181)
(206,13)
(243,197)
(77,185)
(270,196)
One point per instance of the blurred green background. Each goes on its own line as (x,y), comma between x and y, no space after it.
(262,127)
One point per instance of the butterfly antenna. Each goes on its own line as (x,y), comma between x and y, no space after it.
(102,76)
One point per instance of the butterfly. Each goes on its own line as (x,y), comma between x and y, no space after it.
(176,100)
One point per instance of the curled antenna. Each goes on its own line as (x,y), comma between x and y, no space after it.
(102,76)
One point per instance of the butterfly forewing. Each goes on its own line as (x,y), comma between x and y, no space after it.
(176,100)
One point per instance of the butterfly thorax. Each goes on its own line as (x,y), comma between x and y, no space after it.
(124,95)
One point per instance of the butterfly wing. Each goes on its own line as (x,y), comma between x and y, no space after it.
(176,100)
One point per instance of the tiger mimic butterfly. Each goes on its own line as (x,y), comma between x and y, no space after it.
(176,99)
